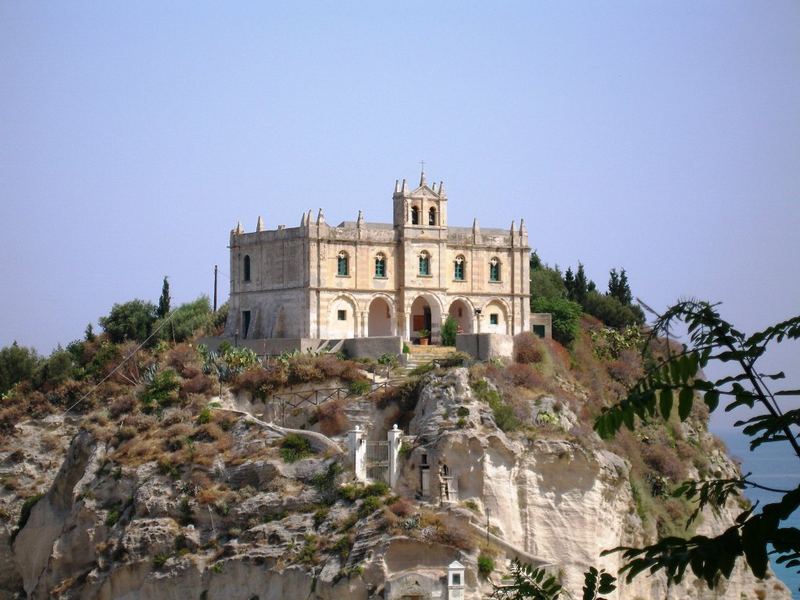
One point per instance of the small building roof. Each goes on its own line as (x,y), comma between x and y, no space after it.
(455,565)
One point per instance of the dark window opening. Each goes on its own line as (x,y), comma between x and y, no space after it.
(245,323)
(494,270)
(341,264)
(247,268)
(341,315)
(432,216)
(539,330)
(458,270)
(380,266)
(424,264)
(414,215)
(494,319)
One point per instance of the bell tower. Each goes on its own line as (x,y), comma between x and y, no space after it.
(422,208)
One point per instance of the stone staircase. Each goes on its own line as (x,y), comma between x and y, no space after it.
(420,355)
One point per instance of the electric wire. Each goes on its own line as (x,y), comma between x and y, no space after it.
(119,366)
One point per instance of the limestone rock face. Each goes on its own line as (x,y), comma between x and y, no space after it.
(555,500)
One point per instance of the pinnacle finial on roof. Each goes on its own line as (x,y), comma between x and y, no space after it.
(260,224)
(422,173)
(303,221)
(360,219)
(320,217)
(239,229)
(513,227)
(523,230)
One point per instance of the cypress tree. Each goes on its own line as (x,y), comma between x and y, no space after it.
(581,285)
(163,301)
(569,283)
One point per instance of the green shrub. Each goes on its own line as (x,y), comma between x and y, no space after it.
(294,447)
(449,331)
(187,320)
(485,565)
(378,488)
(611,311)
(343,547)
(368,506)
(359,387)
(406,349)
(159,560)
(566,317)
(161,391)
(17,363)
(504,416)
(54,371)
(388,358)
(204,417)
(308,553)
(129,321)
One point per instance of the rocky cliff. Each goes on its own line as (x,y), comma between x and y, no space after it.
(204,501)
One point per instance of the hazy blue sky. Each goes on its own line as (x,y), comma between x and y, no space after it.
(659,136)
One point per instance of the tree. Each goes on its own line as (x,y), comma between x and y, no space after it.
(164,300)
(449,331)
(566,317)
(581,286)
(129,321)
(619,288)
(679,378)
(569,283)
(58,367)
(187,320)
(17,363)
(545,282)
(611,311)
(89,335)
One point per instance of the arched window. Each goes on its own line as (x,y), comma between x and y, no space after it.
(246,269)
(424,263)
(414,215)
(458,268)
(342,266)
(432,216)
(494,269)
(380,265)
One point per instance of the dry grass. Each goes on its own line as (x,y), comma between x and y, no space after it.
(331,417)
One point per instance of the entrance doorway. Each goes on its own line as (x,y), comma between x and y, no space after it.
(420,317)
(380,318)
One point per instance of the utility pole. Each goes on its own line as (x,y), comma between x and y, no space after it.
(215,288)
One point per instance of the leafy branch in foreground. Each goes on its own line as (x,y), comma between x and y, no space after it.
(714,339)
(531,583)
(528,581)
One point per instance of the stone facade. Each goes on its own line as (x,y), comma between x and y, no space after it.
(361,279)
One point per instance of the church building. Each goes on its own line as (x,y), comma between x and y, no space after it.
(360,279)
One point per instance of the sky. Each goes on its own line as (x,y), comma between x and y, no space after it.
(662,137)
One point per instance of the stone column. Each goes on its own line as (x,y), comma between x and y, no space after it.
(357,449)
(395,438)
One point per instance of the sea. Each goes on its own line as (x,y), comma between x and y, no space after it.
(773,465)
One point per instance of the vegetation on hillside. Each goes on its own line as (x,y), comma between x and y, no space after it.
(569,295)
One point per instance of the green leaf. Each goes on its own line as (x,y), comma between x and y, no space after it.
(665,402)
(685,401)
(711,399)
